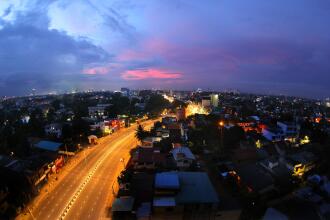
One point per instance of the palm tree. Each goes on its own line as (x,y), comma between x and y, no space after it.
(140,133)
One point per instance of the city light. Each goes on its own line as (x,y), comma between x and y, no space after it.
(193,109)
(168,98)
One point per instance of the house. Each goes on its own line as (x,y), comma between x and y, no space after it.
(252,177)
(272,214)
(176,130)
(244,154)
(273,133)
(122,207)
(183,157)
(98,111)
(269,163)
(163,133)
(248,126)
(148,158)
(142,188)
(296,209)
(300,163)
(48,146)
(54,129)
(168,120)
(254,118)
(149,142)
(190,191)
(289,129)
(206,102)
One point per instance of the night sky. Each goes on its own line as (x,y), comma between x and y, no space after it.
(277,47)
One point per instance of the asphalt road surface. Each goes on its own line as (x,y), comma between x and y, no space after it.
(84,188)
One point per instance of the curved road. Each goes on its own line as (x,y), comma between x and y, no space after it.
(84,189)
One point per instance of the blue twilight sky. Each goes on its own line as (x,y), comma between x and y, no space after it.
(280,46)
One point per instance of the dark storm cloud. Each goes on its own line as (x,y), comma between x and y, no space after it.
(31,56)
(262,46)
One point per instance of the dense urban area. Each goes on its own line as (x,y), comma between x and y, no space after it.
(154,154)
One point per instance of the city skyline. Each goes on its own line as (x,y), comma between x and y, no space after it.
(260,47)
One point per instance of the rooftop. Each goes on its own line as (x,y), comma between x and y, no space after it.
(123,204)
(195,187)
(176,152)
(167,180)
(48,145)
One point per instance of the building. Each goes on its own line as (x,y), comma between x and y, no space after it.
(98,111)
(168,120)
(206,101)
(253,177)
(273,134)
(214,100)
(184,193)
(148,158)
(148,142)
(183,157)
(48,145)
(289,129)
(300,163)
(54,129)
(180,114)
(125,91)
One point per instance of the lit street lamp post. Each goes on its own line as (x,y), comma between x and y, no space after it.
(123,161)
(221,123)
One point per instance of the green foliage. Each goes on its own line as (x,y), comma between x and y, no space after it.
(140,133)
(156,104)
(125,176)
(233,136)
(67,132)
(178,103)
(80,128)
(56,104)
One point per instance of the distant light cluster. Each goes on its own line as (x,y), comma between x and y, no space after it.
(194,108)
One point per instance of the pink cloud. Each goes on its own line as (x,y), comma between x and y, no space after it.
(96,70)
(141,74)
(129,55)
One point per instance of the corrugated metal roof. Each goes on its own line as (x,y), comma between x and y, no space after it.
(183,150)
(164,202)
(123,204)
(167,180)
(196,187)
(48,145)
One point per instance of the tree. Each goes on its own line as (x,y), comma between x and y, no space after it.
(233,136)
(56,104)
(156,104)
(66,131)
(80,128)
(125,176)
(51,115)
(141,133)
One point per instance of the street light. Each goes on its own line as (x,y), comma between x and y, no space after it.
(123,161)
(222,124)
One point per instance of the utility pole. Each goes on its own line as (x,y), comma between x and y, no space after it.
(221,123)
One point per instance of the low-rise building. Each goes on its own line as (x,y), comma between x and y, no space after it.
(54,129)
(98,111)
(179,191)
(254,178)
(273,134)
(183,157)
(300,163)
(289,129)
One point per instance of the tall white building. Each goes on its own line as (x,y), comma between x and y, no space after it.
(214,100)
